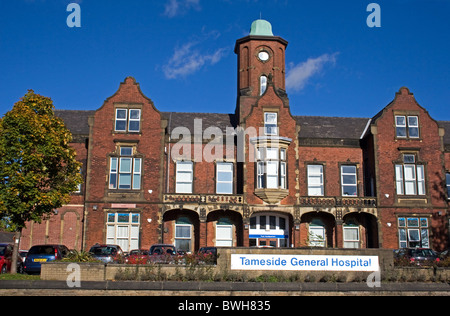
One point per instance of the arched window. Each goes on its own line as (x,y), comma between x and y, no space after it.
(262,85)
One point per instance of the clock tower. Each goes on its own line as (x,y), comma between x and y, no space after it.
(261,62)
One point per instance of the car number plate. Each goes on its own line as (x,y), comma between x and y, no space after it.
(40,260)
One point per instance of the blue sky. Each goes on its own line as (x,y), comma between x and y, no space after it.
(182,52)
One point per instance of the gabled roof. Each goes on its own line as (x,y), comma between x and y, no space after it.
(318,127)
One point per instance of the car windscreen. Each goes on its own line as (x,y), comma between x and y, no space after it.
(424,252)
(103,251)
(42,250)
(2,250)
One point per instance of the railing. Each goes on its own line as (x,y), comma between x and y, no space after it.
(338,201)
(203,199)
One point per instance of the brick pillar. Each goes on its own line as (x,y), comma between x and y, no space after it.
(339,243)
(203,234)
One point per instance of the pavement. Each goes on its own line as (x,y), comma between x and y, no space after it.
(110,288)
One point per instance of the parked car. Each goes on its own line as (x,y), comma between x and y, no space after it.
(162,253)
(43,253)
(418,256)
(6,251)
(211,253)
(23,255)
(107,253)
(137,256)
(444,254)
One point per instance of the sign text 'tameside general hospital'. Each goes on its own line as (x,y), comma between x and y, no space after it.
(304,263)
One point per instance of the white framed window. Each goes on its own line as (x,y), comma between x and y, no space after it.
(407,126)
(271,124)
(349,180)
(224,178)
(409,177)
(271,168)
(123,230)
(262,85)
(134,123)
(315,180)
(351,237)
(128,120)
(183,234)
(413,232)
(224,233)
(125,171)
(184,177)
(317,234)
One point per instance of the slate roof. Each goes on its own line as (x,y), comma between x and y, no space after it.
(331,127)
(177,119)
(76,121)
(320,127)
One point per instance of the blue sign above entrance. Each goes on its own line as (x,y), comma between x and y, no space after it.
(269,236)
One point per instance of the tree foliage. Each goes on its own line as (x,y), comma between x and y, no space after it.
(38,168)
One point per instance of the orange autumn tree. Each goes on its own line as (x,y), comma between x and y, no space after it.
(38,168)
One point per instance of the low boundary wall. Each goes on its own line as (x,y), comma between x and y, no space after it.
(59,271)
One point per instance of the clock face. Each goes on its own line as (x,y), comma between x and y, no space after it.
(263,56)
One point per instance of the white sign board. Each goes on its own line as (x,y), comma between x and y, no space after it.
(304,263)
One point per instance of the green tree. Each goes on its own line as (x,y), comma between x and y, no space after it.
(38,168)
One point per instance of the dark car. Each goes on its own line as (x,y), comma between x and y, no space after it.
(43,253)
(6,252)
(107,253)
(162,253)
(418,256)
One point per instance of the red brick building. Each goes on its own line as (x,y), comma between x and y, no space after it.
(260,176)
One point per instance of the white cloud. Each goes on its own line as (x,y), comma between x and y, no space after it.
(186,60)
(177,7)
(298,76)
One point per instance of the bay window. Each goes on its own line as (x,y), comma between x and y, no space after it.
(271,168)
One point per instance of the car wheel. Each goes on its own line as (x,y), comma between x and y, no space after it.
(4,269)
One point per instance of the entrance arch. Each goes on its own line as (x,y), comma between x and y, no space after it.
(181,228)
(270,229)
(360,230)
(224,229)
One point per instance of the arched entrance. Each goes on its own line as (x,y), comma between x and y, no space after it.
(224,229)
(317,229)
(270,229)
(181,229)
(360,230)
